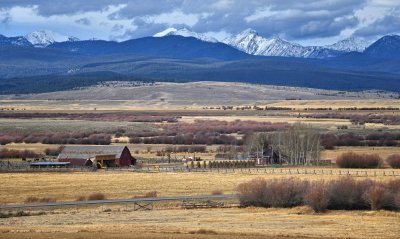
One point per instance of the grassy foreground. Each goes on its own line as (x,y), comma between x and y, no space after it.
(123,222)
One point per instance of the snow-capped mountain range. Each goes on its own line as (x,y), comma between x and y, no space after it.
(252,43)
(44,38)
(248,41)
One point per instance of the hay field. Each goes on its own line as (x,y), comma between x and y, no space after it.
(63,126)
(16,187)
(123,222)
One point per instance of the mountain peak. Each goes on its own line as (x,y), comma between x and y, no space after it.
(386,47)
(350,44)
(44,38)
(185,33)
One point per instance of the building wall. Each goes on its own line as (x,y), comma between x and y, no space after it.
(126,159)
(74,162)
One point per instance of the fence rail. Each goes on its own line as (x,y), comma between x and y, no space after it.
(4,167)
(283,171)
(118,201)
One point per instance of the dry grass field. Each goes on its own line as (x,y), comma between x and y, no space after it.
(123,222)
(16,187)
(63,126)
(183,104)
(166,222)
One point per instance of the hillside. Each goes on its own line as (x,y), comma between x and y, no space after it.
(173,58)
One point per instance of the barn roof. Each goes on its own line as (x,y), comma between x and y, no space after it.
(85,152)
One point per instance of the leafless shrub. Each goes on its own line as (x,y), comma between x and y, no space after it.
(20,214)
(217,192)
(274,193)
(285,192)
(151,194)
(32,199)
(204,231)
(96,196)
(378,197)
(347,193)
(396,201)
(81,198)
(354,160)
(394,160)
(394,185)
(343,194)
(252,193)
(317,196)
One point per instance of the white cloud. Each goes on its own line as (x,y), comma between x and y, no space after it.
(174,18)
(27,19)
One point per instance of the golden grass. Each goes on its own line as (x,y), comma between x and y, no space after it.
(16,187)
(123,222)
(335,104)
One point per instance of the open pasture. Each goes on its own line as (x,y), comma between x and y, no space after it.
(122,184)
(255,223)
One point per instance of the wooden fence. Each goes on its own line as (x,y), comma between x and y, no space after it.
(282,171)
(24,167)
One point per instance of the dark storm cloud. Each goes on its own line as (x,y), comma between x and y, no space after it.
(293,19)
(388,24)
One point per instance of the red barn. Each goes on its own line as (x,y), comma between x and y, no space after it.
(104,155)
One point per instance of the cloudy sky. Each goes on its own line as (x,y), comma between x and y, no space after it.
(308,22)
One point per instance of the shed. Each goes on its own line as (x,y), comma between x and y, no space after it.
(104,155)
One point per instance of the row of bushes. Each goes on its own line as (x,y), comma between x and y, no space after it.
(188,138)
(354,160)
(360,119)
(12,153)
(210,127)
(115,116)
(329,140)
(343,194)
(58,138)
(186,148)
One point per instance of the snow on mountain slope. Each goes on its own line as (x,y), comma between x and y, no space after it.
(14,41)
(44,38)
(185,33)
(350,44)
(250,42)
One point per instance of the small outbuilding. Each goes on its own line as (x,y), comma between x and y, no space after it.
(101,156)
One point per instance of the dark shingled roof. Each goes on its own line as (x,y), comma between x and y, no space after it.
(85,152)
